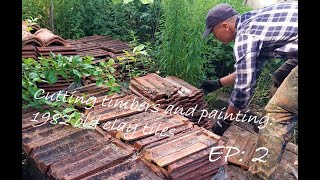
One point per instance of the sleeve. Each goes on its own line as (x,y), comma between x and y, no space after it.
(248,68)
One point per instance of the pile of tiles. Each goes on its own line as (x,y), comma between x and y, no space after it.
(29,51)
(99,47)
(102,48)
(184,155)
(61,84)
(40,42)
(61,151)
(171,92)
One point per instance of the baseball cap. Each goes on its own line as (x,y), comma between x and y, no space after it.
(216,15)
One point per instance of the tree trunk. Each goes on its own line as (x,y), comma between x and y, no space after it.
(51,16)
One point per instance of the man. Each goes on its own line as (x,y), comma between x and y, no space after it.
(260,35)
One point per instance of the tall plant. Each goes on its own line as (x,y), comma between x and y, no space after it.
(182,50)
(78,18)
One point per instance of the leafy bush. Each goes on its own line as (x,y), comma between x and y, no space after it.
(138,65)
(78,18)
(181,47)
(36,9)
(183,52)
(47,70)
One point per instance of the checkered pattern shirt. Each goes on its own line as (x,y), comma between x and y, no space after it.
(271,32)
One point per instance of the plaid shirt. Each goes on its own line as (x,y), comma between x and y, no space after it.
(271,32)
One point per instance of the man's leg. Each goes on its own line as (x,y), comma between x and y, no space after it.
(281,73)
(282,111)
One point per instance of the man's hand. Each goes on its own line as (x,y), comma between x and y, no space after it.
(220,127)
(210,85)
(223,124)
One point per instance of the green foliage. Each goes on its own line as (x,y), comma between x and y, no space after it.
(182,51)
(37,9)
(177,36)
(139,63)
(69,18)
(78,18)
(47,70)
(220,59)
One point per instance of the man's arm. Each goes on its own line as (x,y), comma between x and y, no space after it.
(228,80)
(246,50)
(248,67)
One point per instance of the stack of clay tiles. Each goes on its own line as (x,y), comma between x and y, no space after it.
(99,47)
(40,42)
(61,151)
(113,151)
(102,48)
(28,48)
(171,91)
(89,46)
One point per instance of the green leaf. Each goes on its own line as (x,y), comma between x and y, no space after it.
(36,80)
(32,89)
(56,111)
(127,1)
(144,53)
(115,89)
(52,77)
(188,67)
(86,74)
(228,63)
(24,83)
(67,110)
(110,62)
(77,59)
(103,64)
(45,63)
(76,121)
(98,83)
(26,97)
(33,75)
(76,72)
(138,48)
(87,60)
(117,1)
(87,66)
(109,76)
(95,73)
(63,74)
(29,29)
(28,60)
(146,1)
